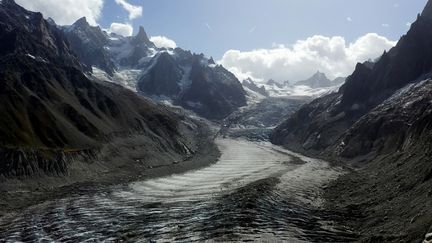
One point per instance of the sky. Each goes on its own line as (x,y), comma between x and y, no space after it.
(255,38)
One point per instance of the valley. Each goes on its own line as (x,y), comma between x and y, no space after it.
(111,135)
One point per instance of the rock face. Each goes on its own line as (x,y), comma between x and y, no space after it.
(250,84)
(214,92)
(89,44)
(51,112)
(380,120)
(164,72)
(193,82)
(399,124)
(369,85)
(162,78)
(318,80)
(140,47)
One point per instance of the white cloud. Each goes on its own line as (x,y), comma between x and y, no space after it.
(121,29)
(163,42)
(349,19)
(66,12)
(134,11)
(332,55)
(408,24)
(385,25)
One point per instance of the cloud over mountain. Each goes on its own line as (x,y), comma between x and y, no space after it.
(163,42)
(331,55)
(66,12)
(121,29)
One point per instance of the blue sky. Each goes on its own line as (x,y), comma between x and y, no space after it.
(213,27)
(260,39)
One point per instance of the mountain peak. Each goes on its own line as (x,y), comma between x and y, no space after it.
(320,75)
(82,22)
(9,4)
(427,12)
(318,80)
(141,37)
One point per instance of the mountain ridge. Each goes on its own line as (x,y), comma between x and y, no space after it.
(54,117)
(170,66)
(378,122)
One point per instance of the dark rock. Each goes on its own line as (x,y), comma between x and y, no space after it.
(141,46)
(338,81)
(214,92)
(49,107)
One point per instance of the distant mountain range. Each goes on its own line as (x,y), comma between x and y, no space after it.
(315,86)
(189,80)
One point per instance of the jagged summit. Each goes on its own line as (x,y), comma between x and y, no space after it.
(318,80)
(81,22)
(142,37)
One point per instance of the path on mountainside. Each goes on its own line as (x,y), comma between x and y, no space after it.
(256,191)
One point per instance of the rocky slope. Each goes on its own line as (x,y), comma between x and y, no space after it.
(53,117)
(88,44)
(379,121)
(190,80)
(213,92)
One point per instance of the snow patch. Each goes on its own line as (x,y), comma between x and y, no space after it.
(127,78)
